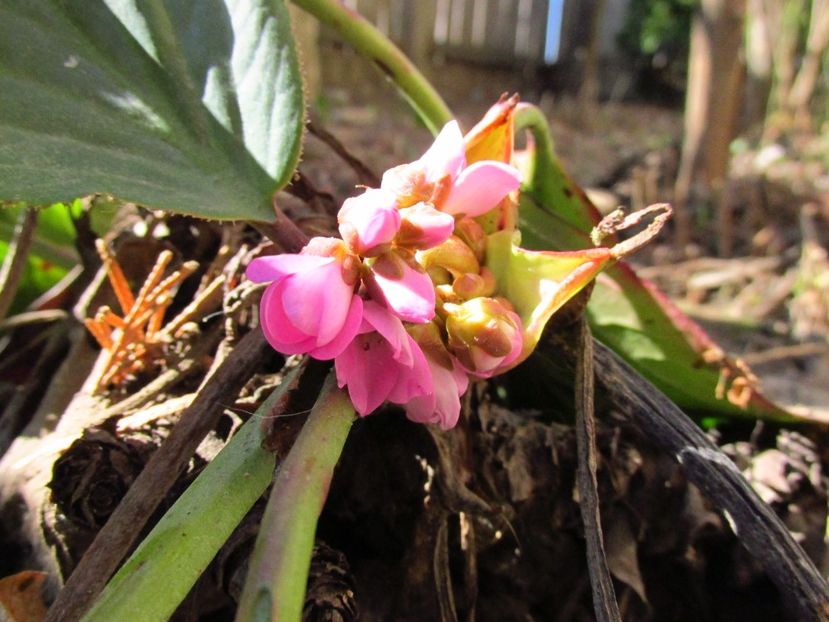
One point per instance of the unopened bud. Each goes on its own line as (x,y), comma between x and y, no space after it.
(453,255)
(468,285)
(439,276)
(473,234)
(483,334)
(428,337)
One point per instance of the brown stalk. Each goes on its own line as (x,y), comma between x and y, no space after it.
(605,606)
(15,261)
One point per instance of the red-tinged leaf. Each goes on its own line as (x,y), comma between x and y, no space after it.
(492,138)
(627,313)
(539,283)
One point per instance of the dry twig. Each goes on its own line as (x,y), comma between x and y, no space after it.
(604,596)
(18,252)
(133,341)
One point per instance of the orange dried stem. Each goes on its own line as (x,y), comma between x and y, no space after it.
(151,283)
(109,317)
(156,321)
(100,333)
(116,276)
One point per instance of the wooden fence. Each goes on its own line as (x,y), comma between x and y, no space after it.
(500,32)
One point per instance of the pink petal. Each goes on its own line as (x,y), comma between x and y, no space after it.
(412,297)
(480,187)
(277,267)
(391,329)
(346,335)
(369,220)
(447,155)
(317,301)
(366,366)
(424,227)
(414,380)
(443,405)
(278,329)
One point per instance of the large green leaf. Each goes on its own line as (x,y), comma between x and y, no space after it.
(193,106)
(627,313)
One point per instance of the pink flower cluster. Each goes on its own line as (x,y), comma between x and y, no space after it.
(368,301)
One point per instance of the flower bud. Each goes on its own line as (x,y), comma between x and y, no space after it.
(473,235)
(369,222)
(439,276)
(484,335)
(468,285)
(453,255)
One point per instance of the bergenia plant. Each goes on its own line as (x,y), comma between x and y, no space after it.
(427,288)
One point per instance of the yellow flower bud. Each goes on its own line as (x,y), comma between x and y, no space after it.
(453,255)
(473,235)
(483,334)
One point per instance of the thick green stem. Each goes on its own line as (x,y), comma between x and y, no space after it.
(278,574)
(159,574)
(529,117)
(370,42)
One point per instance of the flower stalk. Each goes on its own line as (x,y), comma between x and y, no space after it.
(372,44)
(278,574)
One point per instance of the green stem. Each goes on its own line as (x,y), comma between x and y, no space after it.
(546,182)
(530,117)
(278,573)
(160,573)
(371,43)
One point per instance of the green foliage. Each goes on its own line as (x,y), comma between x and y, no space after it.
(626,313)
(193,107)
(52,255)
(278,570)
(656,36)
(654,25)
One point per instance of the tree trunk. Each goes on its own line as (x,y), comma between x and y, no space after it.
(589,90)
(759,59)
(714,81)
(807,77)
(786,16)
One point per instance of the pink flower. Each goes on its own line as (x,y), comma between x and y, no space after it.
(310,306)
(442,178)
(423,227)
(383,363)
(398,281)
(443,405)
(480,187)
(369,220)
